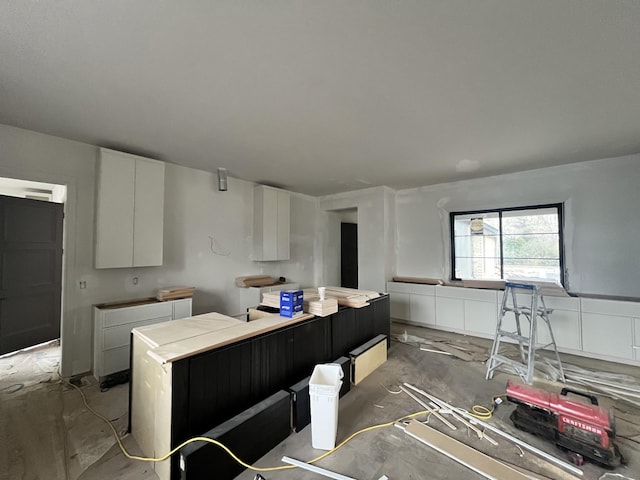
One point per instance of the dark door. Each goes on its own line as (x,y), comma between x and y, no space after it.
(30,272)
(349,255)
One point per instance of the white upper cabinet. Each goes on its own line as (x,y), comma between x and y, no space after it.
(129,211)
(271,224)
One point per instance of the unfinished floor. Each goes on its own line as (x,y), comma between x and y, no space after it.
(47,433)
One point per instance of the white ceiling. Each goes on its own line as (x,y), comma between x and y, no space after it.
(324,96)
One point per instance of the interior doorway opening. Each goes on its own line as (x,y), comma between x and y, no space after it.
(342,261)
(31,280)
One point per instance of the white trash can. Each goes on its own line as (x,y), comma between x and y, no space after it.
(324,390)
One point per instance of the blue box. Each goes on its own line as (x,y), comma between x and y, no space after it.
(291,302)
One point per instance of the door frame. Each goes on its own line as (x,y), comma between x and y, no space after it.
(69,298)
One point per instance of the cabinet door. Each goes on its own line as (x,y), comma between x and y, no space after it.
(271,363)
(480,317)
(343,332)
(271,224)
(450,313)
(219,386)
(423,309)
(283,231)
(608,335)
(181,308)
(114,210)
(269,227)
(400,306)
(311,345)
(566,329)
(148,213)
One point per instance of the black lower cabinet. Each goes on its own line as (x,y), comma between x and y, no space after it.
(311,346)
(212,387)
(220,386)
(249,435)
(351,327)
(271,363)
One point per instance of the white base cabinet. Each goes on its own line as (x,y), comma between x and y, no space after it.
(113,324)
(610,328)
(412,302)
(598,328)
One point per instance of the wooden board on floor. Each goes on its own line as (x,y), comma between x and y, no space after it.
(463,454)
(366,358)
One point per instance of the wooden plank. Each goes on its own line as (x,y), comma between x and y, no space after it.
(255,281)
(469,457)
(367,358)
(160,334)
(489,284)
(216,338)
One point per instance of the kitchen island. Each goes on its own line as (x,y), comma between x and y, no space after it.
(192,374)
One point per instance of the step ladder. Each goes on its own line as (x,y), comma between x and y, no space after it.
(526,338)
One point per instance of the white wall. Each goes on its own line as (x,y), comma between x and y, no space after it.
(602,226)
(194,210)
(404,232)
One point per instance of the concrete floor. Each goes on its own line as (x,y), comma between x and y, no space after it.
(46,433)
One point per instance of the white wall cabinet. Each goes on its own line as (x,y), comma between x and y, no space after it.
(271,223)
(129,211)
(113,324)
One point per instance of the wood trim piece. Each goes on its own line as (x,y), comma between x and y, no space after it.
(469,457)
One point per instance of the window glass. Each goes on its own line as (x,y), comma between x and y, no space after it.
(508,243)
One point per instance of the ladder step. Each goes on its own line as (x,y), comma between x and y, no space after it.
(504,360)
(526,310)
(515,336)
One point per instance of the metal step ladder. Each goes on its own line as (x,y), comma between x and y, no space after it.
(526,338)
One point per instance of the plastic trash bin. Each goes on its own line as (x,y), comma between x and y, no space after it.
(324,389)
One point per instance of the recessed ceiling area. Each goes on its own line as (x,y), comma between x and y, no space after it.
(331,96)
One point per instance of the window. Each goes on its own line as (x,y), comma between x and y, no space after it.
(508,243)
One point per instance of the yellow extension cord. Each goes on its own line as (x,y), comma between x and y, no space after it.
(224,447)
(483,413)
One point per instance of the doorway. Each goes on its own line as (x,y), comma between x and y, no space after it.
(349,255)
(31,237)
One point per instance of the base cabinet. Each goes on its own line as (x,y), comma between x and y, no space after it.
(592,327)
(113,325)
(179,399)
(413,302)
